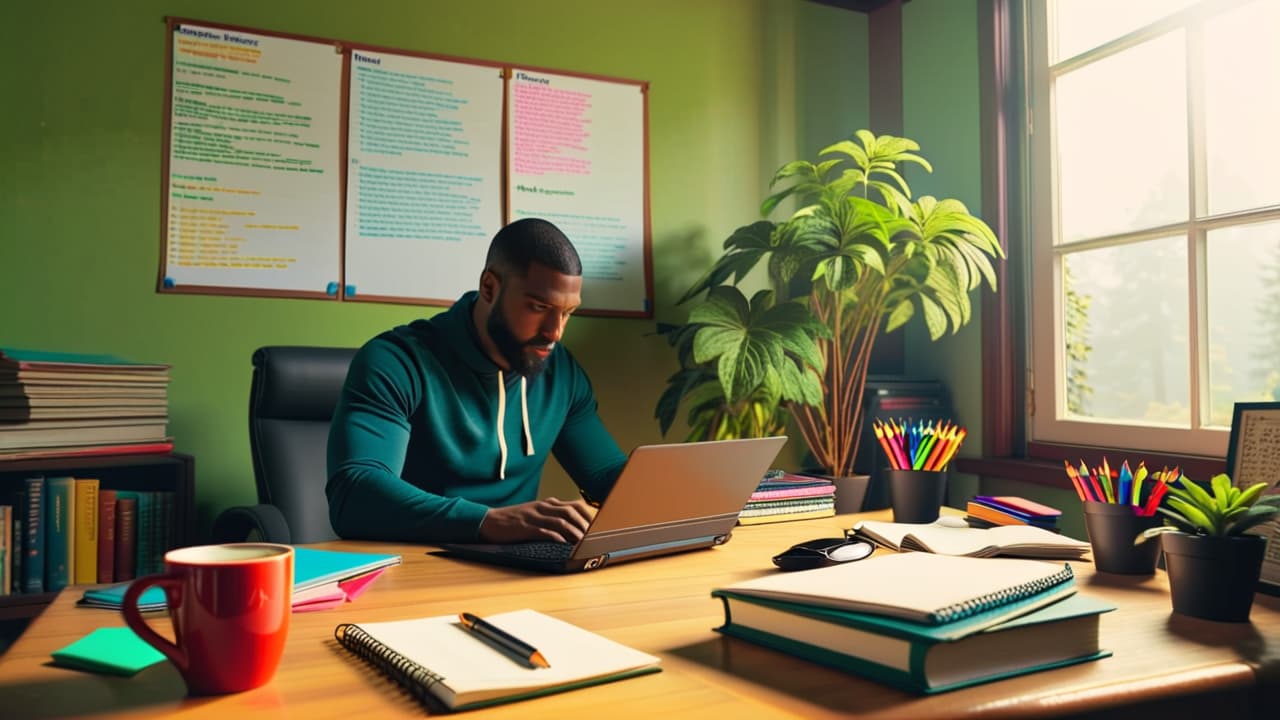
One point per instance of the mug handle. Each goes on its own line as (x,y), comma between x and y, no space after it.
(135,621)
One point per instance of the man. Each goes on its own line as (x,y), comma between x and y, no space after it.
(444,425)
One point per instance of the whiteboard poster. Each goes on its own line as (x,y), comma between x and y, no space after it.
(253,193)
(577,158)
(424,168)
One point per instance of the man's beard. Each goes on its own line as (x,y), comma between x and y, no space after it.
(512,349)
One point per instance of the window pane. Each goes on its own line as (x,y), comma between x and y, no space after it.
(1122,141)
(1242,109)
(1085,24)
(1127,338)
(1244,317)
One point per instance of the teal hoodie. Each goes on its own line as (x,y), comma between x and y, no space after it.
(416,449)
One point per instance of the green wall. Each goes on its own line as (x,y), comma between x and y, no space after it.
(736,87)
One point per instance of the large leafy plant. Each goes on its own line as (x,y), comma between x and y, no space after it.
(860,256)
(1225,511)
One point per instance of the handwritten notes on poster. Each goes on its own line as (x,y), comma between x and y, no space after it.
(577,159)
(319,168)
(253,163)
(424,156)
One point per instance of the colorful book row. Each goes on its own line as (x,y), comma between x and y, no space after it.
(63,530)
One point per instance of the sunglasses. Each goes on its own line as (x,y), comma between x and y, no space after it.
(822,552)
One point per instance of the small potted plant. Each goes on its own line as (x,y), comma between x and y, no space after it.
(1213,564)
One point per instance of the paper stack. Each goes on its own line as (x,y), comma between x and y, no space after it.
(56,404)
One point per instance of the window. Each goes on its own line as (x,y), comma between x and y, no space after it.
(1155,206)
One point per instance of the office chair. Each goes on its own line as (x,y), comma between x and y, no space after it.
(291,400)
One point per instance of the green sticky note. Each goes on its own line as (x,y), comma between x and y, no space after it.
(116,651)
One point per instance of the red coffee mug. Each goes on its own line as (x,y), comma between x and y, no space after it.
(230,607)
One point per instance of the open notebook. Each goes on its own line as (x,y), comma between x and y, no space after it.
(943,539)
(438,660)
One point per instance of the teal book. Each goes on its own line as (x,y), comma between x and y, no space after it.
(114,651)
(32,526)
(144,527)
(59,531)
(921,658)
(311,568)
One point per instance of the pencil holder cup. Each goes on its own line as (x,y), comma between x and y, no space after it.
(916,495)
(1112,529)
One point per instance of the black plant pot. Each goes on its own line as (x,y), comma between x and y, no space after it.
(1213,578)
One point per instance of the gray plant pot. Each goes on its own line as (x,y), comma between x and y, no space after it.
(1213,578)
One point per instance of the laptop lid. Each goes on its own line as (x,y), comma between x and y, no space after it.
(668,498)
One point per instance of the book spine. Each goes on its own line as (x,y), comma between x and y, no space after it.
(86,530)
(6,542)
(59,533)
(409,674)
(15,543)
(126,535)
(33,542)
(166,528)
(106,536)
(144,523)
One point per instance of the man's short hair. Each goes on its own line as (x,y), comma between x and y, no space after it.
(531,240)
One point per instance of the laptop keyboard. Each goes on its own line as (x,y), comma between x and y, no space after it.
(541,550)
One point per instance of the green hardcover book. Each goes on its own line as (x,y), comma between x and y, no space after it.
(922,658)
(59,542)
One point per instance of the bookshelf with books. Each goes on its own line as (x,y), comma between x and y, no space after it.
(163,482)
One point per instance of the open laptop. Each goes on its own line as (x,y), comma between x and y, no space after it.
(668,499)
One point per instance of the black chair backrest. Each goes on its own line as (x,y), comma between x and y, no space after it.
(291,401)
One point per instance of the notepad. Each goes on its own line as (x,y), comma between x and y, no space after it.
(115,651)
(1008,540)
(436,657)
(921,587)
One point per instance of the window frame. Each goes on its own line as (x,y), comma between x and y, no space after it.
(1047,389)
(1008,450)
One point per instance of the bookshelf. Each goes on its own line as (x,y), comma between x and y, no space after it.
(156,471)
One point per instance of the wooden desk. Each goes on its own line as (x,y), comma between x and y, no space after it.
(662,606)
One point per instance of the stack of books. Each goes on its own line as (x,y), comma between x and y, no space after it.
(59,404)
(993,510)
(785,496)
(921,622)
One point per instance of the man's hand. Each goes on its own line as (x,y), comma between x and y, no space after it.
(550,519)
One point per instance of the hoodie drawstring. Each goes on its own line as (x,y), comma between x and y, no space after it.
(502,414)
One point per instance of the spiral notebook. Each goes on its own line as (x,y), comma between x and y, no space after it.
(921,587)
(440,662)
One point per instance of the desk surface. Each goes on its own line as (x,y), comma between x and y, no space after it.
(662,606)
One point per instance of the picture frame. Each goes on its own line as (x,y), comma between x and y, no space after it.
(1253,455)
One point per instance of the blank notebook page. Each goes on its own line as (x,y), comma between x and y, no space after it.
(471,667)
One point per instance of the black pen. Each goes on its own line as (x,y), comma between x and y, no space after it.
(504,640)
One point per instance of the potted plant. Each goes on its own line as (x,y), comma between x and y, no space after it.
(1213,564)
(859,257)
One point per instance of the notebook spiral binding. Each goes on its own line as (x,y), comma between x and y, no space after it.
(1001,597)
(409,674)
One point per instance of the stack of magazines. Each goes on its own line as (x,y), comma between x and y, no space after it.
(785,496)
(55,404)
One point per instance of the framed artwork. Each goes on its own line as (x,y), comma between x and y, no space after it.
(1253,455)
